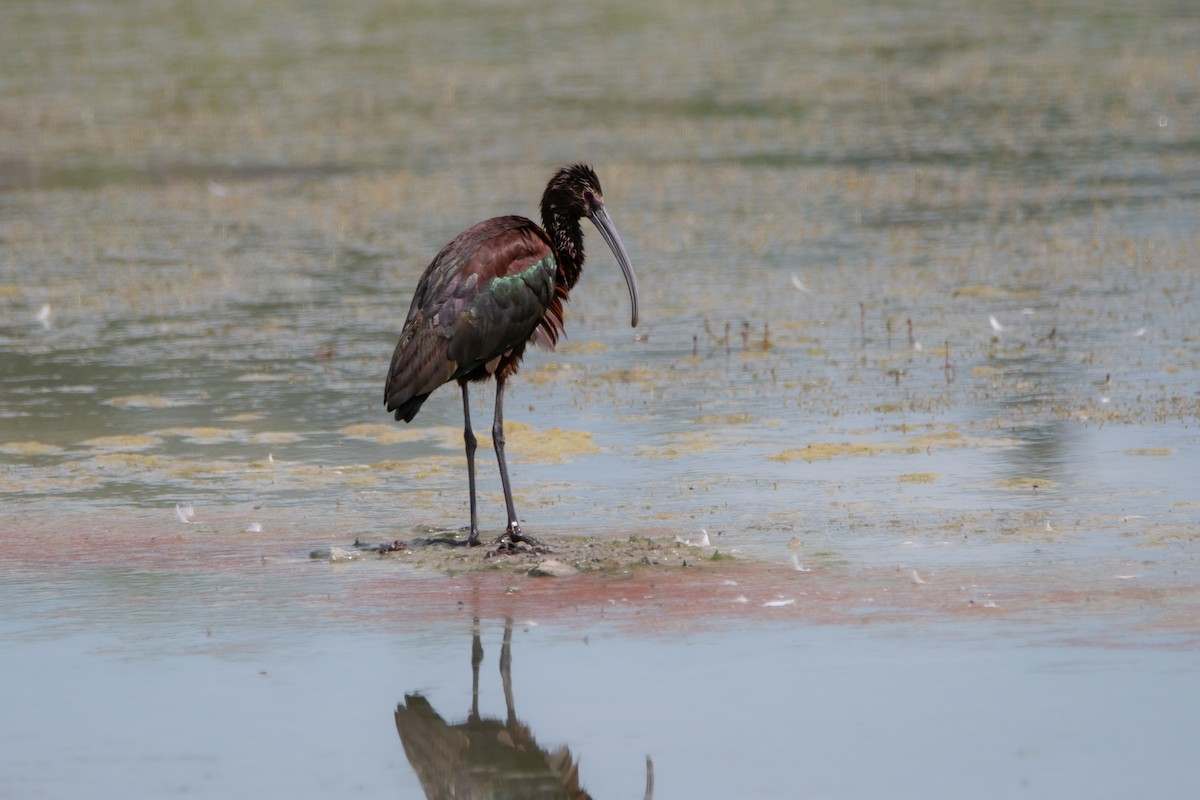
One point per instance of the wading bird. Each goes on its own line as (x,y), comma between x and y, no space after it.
(493,289)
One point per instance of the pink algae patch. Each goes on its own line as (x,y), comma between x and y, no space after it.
(225,556)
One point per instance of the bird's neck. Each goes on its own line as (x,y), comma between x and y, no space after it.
(567,238)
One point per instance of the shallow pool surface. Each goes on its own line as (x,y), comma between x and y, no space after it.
(270,699)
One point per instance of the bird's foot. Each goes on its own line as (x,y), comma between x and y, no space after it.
(507,547)
(509,542)
(503,547)
(513,536)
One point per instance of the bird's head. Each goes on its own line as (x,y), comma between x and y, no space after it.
(574,193)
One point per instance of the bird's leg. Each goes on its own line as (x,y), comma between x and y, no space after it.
(510,704)
(513,531)
(469,439)
(476,660)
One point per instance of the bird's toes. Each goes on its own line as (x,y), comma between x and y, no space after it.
(513,536)
(507,545)
(516,535)
(502,548)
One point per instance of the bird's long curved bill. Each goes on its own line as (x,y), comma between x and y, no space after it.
(600,219)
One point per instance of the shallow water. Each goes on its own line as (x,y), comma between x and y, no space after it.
(769,710)
(919,291)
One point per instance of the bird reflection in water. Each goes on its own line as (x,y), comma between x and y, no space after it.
(487,757)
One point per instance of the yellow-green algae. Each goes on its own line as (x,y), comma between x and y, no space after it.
(724,419)
(1025,482)
(126,442)
(383,433)
(547,445)
(29,448)
(202,434)
(919,477)
(922,443)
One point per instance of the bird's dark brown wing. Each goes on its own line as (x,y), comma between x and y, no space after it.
(482,758)
(482,296)
(435,749)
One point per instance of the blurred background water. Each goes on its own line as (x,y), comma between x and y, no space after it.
(919,292)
